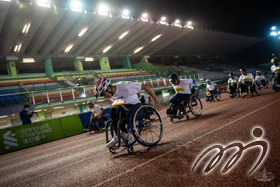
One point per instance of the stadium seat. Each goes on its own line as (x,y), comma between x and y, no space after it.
(11,100)
(4,101)
(18,100)
(12,92)
(4,93)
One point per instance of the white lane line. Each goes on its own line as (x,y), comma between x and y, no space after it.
(58,169)
(149,161)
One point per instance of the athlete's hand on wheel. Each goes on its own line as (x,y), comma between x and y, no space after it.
(157,105)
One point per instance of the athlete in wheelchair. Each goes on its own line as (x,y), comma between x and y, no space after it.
(275,70)
(184,97)
(232,85)
(246,84)
(97,118)
(211,91)
(261,80)
(128,114)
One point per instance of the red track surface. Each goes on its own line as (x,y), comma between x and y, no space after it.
(83,160)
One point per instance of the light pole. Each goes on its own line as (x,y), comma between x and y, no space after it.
(274,33)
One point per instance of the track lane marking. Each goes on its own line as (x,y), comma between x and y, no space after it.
(164,154)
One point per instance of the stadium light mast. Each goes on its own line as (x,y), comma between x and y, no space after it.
(275,34)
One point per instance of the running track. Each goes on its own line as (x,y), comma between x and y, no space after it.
(83,160)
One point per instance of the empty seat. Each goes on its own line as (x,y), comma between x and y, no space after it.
(11,101)
(4,101)
(18,100)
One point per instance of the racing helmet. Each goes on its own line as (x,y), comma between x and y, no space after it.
(208,80)
(258,71)
(90,102)
(274,59)
(173,78)
(230,74)
(101,85)
(242,69)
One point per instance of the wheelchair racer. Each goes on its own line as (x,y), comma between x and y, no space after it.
(183,92)
(211,90)
(260,80)
(124,96)
(97,111)
(246,80)
(232,83)
(144,98)
(275,70)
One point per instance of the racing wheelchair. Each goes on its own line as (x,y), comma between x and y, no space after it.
(193,103)
(275,85)
(233,92)
(143,122)
(213,97)
(249,89)
(98,124)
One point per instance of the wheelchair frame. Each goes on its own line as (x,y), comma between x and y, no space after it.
(130,123)
(248,91)
(185,113)
(216,96)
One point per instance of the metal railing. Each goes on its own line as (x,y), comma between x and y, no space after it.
(77,74)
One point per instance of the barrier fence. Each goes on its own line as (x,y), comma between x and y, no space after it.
(20,137)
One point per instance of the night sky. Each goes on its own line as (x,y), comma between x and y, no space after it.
(251,19)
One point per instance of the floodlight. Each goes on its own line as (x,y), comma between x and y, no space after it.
(106,49)
(44,3)
(273,33)
(76,6)
(138,49)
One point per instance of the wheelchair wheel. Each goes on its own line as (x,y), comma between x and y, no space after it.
(218,96)
(147,129)
(195,105)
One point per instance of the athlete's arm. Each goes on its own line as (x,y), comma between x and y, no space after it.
(152,94)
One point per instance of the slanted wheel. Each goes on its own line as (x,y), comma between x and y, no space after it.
(112,150)
(147,132)
(195,105)
(218,96)
(130,150)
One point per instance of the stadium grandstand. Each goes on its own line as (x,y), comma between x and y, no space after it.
(51,56)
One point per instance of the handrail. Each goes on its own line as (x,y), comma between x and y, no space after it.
(23,86)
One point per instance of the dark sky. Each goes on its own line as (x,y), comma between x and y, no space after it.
(251,19)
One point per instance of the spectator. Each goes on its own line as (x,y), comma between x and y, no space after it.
(25,115)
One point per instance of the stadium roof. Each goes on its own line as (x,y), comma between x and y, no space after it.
(28,30)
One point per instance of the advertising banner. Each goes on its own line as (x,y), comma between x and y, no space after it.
(24,136)
(71,125)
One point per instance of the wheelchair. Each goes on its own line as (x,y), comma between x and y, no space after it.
(213,97)
(194,105)
(234,92)
(249,89)
(143,122)
(275,86)
(97,125)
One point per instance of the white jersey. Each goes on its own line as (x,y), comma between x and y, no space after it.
(184,86)
(275,69)
(96,110)
(127,92)
(211,86)
(246,78)
(146,97)
(233,81)
(260,77)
